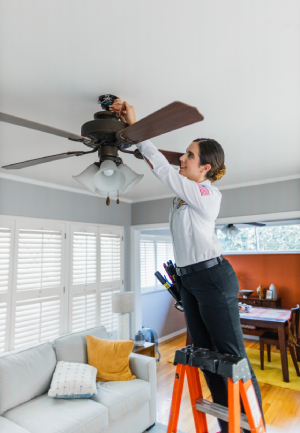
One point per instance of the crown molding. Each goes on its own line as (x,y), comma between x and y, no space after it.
(262,217)
(260,182)
(127,200)
(55,186)
(155,197)
(235,185)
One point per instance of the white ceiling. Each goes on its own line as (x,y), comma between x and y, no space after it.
(237,61)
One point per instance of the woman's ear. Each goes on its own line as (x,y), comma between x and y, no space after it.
(205,168)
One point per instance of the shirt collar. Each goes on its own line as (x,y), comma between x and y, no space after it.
(205,182)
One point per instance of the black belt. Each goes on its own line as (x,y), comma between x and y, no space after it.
(199,266)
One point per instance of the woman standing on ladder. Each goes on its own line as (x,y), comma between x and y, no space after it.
(209,285)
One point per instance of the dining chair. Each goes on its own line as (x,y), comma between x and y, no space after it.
(292,341)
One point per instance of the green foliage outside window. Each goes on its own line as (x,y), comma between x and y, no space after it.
(245,240)
(268,238)
(279,238)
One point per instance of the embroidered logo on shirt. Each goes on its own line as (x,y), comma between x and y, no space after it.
(180,203)
(203,189)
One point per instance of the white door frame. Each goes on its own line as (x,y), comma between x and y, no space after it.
(136,322)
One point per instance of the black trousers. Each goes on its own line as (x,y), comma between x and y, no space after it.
(210,302)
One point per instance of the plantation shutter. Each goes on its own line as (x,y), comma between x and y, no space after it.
(38,282)
(147,264)
(83,278)
(6,257)
(111,274)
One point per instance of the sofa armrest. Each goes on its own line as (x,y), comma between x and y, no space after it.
(7,426)
(144,367)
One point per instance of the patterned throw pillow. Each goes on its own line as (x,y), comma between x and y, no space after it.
(73,380)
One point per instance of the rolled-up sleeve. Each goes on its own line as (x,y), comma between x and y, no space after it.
(203,199)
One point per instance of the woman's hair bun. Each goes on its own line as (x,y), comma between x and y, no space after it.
(220,173)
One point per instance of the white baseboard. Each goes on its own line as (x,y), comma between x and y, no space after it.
(174,334)
(181,331)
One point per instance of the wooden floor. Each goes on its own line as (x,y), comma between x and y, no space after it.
(281,406)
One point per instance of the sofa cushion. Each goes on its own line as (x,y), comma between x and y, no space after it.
(49,415)
(25,374)
(122,397)
(72,347)
(73,380)
(6,426)
(110,357)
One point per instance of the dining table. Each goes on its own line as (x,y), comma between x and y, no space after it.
(271,318)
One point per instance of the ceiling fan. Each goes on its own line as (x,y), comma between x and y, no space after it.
(107,134)
(233,230)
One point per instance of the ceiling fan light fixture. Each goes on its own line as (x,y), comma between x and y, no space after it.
(108,182)
(86,177)
(104,193)
(230,229)
(131,178)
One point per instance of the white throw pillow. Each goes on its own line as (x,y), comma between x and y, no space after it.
(73,380)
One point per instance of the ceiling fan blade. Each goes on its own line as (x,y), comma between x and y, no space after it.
(50,158)
(172,157)
(40,127)
(169,118)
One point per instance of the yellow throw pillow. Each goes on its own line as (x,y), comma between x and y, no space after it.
(110,357)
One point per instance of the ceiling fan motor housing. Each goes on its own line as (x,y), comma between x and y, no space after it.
(104,128)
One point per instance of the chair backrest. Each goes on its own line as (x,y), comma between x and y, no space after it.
(295,322)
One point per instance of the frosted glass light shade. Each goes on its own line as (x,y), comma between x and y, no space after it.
(131,177)
(109,183)
(104,193)
(86,177)
(230,230)
(123,302)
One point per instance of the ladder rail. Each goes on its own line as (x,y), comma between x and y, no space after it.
(195,390)
(251,406)
(234,406)
(176,398)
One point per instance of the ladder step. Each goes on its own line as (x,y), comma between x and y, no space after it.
(218,411)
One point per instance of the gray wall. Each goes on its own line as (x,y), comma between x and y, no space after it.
(249,200)
(28,200)
(159,313)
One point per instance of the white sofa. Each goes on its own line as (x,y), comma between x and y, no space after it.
(118,407)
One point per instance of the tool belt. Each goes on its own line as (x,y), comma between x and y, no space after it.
(199,266)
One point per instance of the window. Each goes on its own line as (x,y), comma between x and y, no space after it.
(6,245)
(56,277)
(270,238)
(154,251)
(83,281)
(111,276)
(38,282)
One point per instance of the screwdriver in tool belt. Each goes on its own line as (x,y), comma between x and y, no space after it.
(167,270)
(166,284)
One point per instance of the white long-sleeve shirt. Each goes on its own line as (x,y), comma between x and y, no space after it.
(193,213)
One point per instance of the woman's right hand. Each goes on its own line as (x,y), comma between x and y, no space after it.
(126,111)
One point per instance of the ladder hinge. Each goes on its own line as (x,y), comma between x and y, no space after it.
(122,281)
(122,238)
(64,290)
(65,235)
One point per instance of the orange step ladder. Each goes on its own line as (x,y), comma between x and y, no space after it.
(187,361)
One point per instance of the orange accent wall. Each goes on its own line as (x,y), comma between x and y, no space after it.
(283,270)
